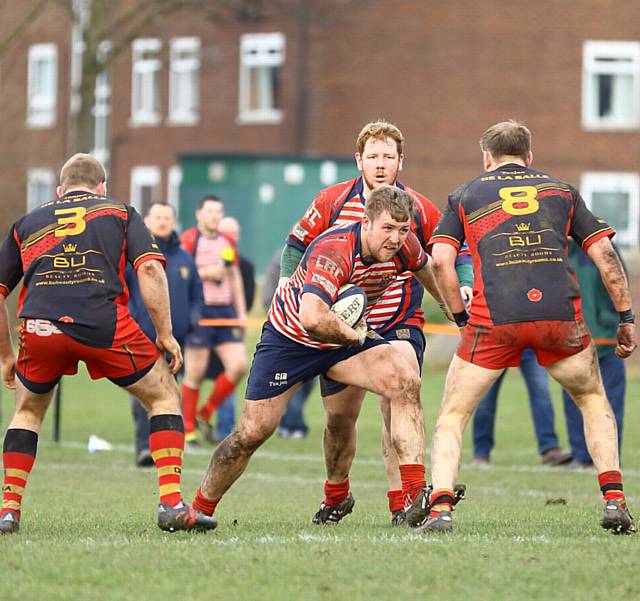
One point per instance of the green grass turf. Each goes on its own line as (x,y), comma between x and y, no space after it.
(89,531)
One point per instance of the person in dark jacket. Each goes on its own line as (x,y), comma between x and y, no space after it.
(602,320)
(185,295)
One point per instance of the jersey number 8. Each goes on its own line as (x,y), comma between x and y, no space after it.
(519,200)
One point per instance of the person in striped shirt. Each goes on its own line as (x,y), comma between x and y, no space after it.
(396,315)
(302,338)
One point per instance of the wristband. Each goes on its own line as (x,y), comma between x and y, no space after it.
(627,316)
(461,318)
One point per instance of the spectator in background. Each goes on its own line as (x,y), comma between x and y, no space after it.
(226,413)
(292,423)
(185,296)
(218,266)
(537,382)
(602,321)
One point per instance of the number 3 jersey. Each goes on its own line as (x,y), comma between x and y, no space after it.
(72,253)
(335,258)
(516,222)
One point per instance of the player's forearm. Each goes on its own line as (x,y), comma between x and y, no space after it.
(444,257)
(323,325)
(427,278)
(238,293)
(6,345)
(154,290)
(289,260)
(612,272)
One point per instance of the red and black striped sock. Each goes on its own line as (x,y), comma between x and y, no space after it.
(18,457)
(166,443)
(204,505)
(611,486)
(441,500)
(413,481)
(335,493)
(396,500)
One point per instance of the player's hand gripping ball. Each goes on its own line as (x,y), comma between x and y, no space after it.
(350,304)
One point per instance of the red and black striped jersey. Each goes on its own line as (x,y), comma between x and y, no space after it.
(332,260)
(72,253)
(342,204)
(516,222)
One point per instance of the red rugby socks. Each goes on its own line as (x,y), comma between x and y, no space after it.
(413,481)
(396,500)
(204,505)
(166,443)
(222,388)
(190,397)
(611,486)
(334,494)
(18,457)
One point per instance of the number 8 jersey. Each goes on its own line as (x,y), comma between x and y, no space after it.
(516,222)
(72,253)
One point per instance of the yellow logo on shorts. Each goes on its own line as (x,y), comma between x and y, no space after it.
(403,334)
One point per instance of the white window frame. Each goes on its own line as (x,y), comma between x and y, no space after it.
(41,108)
(102,108)
(36,177)
(142,176)
(178,68)
(149,67)
(258,50)
(616,182)
(591,66)
(174,179)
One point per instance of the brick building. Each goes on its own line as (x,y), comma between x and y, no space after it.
(301,82)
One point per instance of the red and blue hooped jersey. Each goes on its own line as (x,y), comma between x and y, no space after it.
(342,204)
(333,259)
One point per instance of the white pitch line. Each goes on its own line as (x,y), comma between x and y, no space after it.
(306,458)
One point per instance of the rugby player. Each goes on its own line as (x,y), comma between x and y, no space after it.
(71,254)
(516,221)
(303,338)
(218,266)
(397,315)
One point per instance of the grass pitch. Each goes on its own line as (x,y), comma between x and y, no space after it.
(88,529)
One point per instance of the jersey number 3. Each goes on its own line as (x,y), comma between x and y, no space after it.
(74,220)
(519,200)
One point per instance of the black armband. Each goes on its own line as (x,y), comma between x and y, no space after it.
(627,316)
(461,318)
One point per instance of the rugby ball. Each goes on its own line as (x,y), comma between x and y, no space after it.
(350,304)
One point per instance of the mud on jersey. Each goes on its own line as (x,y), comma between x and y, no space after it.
(516,222)
(72,253)
(332,260)
(342,204)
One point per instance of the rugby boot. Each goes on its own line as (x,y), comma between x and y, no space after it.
(332,514)
(9,523)
(616,517)
(437,521)
(183,517)
(418,511)
(398,518)
(207,431)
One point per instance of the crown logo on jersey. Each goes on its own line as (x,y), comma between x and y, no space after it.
(69,248)
(523,227)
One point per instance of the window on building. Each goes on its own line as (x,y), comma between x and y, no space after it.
(261,60)
(145,84)
(145,187)
(40,187)
(615,197)
(611,85)
(102,109)
(184,89)
(174,179)
(42,85)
